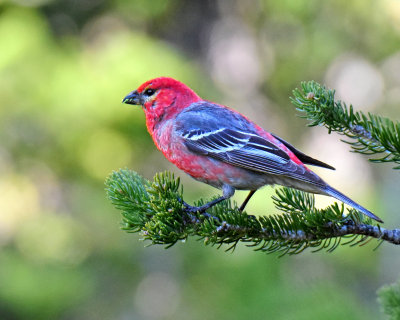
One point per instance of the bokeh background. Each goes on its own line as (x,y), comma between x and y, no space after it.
(65,67)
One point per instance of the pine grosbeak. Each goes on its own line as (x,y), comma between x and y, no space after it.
(221,147)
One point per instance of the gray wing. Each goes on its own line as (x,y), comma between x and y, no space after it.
(238,148)
(212,134)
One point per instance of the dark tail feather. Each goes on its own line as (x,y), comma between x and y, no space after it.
(340,196)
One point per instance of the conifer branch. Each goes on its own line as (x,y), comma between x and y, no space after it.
(370,134)
(157,211)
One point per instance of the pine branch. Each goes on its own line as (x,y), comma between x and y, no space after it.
(156,209)
(369,134)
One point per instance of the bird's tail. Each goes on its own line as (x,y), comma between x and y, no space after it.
(340,196)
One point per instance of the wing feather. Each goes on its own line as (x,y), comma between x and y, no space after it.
(234,143)
(242,149)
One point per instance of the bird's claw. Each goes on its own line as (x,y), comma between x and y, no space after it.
(189,208)
(192,210)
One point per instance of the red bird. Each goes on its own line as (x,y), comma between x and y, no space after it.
(221,147)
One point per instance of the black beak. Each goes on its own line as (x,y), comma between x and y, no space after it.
(133,98)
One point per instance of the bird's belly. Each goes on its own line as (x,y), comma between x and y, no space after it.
(217,173)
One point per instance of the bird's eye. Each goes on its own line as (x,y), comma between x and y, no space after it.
(149,92)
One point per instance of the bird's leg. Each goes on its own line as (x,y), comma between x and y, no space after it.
(247,200)
(227,192)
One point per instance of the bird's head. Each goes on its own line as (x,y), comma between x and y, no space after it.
(161,98)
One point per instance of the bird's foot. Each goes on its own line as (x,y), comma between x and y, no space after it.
(192,210)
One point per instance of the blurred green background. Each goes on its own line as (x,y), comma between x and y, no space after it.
(65,67)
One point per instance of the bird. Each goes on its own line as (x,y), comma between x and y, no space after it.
(219,146)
